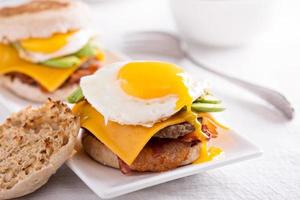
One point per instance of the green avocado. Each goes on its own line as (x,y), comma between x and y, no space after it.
(207,107)
(208,99)
(87,51)
(76,96)
(62,62)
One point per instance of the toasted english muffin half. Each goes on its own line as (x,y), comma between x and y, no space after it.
(41,19)
(34,93)
(35,142)
(156,156)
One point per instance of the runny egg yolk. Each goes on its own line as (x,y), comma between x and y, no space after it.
(46,45)
(151,80)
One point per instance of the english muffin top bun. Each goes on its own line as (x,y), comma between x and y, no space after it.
(42,18)
(46,46)
(35,142)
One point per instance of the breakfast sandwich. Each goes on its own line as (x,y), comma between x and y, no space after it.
(46,47)
(146,116)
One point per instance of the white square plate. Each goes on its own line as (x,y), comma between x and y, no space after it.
(108,183)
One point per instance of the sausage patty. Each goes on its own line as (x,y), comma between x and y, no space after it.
(175,131)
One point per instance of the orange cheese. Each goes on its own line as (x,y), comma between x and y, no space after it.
(126,141)
(49,78)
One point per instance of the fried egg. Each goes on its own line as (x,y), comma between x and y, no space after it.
(140,92)
(42,49)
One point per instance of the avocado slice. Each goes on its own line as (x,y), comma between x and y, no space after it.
(207,107)
(208,99)
(76,96)
(63,62)
(87,50)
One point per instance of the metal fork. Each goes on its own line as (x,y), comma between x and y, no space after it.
(170,45)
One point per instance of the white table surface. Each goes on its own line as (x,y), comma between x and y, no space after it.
(274,61)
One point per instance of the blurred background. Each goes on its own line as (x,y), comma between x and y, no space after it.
(255,40)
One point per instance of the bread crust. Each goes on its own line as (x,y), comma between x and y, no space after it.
(98,151)
(41,19)
(27,183)
(34,93)
(145,161)
(33,7)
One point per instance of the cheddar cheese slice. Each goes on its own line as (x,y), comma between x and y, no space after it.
(126,141)
(49,78)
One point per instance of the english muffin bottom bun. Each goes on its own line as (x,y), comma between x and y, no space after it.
(146,116)
(46,46)
(159,154)
(33,92)
(35,142)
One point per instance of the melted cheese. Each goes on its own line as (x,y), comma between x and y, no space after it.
(49,78)
(126,141)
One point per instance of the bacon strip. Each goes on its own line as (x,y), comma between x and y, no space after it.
(87,68)
(125,169)
(191,137)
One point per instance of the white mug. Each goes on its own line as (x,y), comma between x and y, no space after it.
(221,23)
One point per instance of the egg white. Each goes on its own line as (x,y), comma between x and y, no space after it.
(103,91)
(75,43)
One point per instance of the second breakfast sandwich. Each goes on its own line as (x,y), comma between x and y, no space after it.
(146,116)
(45,48)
